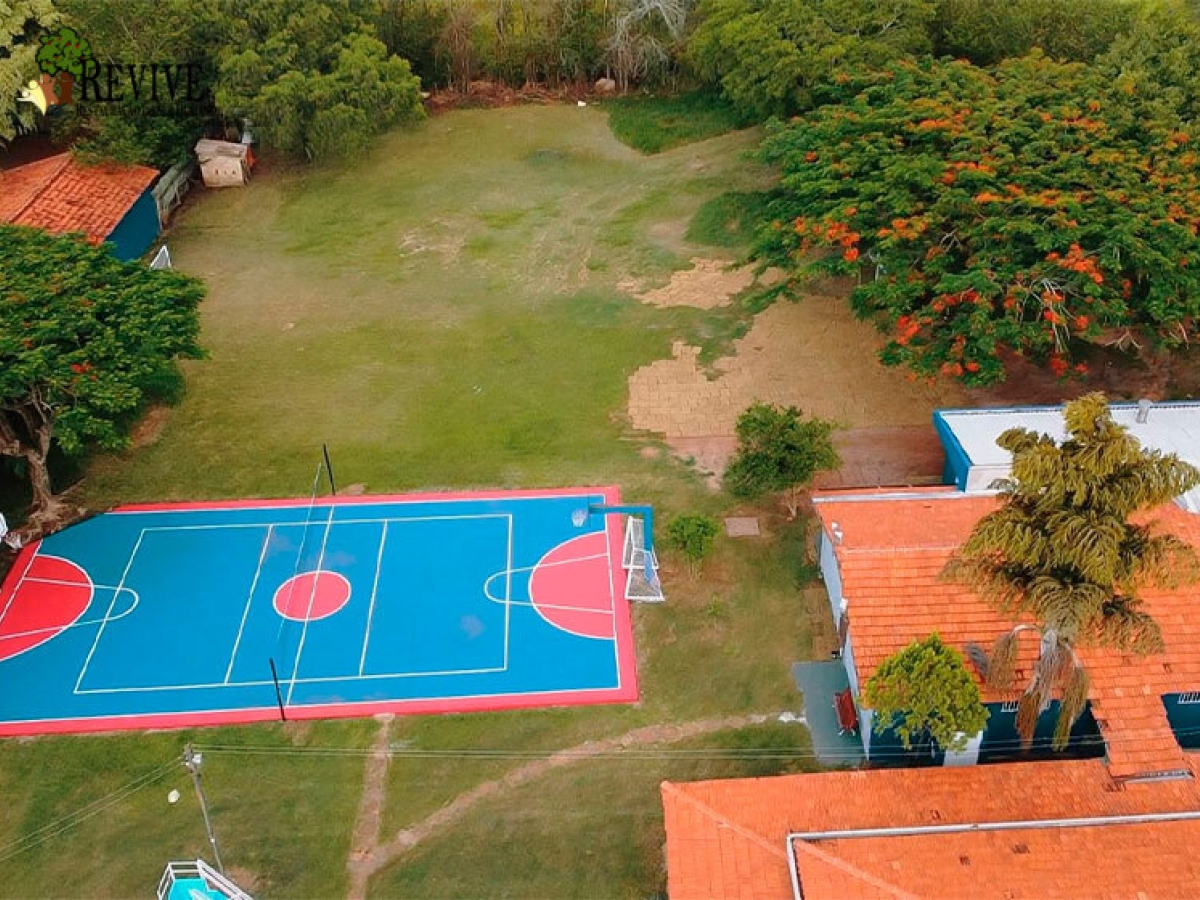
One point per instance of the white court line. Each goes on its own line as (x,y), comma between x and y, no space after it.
(404,701)
(311,597)
(332,509)
(362,660)
(612,604)
(324,679)
(262,558)
(75,624)
(507,589)
(370,521)
(17,587)
(537,565)
(100,631)
(429,501)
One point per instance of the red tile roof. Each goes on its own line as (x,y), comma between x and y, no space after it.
(891,552)
(62,195)
(728,839)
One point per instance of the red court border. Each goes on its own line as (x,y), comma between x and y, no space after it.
(626,661)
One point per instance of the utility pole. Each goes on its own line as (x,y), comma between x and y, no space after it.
(191,762)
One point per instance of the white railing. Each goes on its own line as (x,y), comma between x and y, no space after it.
(169,191)
(198,868)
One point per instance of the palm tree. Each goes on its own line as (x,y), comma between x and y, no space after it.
(1062,551)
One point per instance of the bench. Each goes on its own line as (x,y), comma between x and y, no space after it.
(847,712)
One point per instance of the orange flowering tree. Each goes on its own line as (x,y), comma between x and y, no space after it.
(1027,207)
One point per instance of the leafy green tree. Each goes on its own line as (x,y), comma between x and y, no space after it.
(693,536)
(925,692)
(771,56)
(1061,550)
(64,53)
(987,32)
(138,129)
(1157,60)
(313,77)
(411,30)
(779,451)
(1029,207)
(21,23)
(83,337)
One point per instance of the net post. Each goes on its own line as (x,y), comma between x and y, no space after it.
(329,469)
(278,692)
(648,543)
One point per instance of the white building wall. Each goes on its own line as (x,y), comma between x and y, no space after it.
(968,756)
(831,576)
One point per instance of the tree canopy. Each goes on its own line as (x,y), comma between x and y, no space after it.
(21,25)
(771,56)
(987,32)
(924,691)
(1026,207)
(1062,547)
(83,338)
(314,78)
(779,451)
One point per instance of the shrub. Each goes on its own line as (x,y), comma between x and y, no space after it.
(693,536)
(925,690)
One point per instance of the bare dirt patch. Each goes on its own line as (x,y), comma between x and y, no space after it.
(244,878)
(149,428)
(812,354)
(708,284)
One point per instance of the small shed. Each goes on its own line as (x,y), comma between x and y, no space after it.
(224,163)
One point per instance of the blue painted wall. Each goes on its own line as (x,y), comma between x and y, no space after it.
(136,232)
(1001,742)
(957,463)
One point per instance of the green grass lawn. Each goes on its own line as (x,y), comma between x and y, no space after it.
(655,124)
(587,830)
(444,314)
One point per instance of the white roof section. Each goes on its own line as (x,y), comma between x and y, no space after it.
(1168,427)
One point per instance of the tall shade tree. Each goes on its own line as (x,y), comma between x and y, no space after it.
(987,32)
(21,24)
(139,32)
(1030,208)
(1062,550)
(925,692)
(1158,59)
(313,77)
(771,56)
(83,337)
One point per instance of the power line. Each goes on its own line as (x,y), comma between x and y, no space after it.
(660,753)
(74,818)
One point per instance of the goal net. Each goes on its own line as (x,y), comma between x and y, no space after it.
(641,566)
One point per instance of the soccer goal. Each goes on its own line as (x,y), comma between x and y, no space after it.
(640,564)
(638,558)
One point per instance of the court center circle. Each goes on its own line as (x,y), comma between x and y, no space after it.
(312,595)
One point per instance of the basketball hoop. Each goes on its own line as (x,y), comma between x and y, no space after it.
(8,538)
